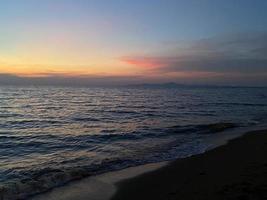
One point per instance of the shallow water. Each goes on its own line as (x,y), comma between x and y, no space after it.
(49,135)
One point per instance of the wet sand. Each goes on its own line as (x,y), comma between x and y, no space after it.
(237,170)
(100,187)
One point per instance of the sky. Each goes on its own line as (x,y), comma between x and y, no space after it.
(140,41)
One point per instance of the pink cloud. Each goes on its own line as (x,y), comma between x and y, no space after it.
(146,62)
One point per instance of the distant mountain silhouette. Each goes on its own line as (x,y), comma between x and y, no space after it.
(158,85)
(176,85)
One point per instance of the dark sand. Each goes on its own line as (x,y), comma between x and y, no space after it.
(237,170)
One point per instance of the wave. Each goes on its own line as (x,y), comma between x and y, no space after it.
(238,104)
(216,127)
(106,135)
(48,178)
(113,135)
(9,115)
(44,179)
(50,136)
(41,180)
(85,119)
(123,112)
(29,123)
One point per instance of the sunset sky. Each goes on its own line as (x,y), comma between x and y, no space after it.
(183,41)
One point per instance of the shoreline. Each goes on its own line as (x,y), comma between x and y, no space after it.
(112,183)
(99,187)
(236,170)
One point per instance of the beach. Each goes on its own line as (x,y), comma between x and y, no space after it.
(78,133)
(237,170)
(122,100)
(100,187)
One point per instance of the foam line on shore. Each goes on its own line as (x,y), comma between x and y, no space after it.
(103,186)
(100,187)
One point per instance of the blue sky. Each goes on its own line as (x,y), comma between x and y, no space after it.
(141,38)
(167,19)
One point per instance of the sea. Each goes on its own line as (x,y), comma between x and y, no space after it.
(50,136)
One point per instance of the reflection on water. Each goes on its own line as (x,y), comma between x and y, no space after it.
(49,135)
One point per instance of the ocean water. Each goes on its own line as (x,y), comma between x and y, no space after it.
(52,135)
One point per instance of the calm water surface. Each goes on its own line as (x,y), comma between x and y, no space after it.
(49,136)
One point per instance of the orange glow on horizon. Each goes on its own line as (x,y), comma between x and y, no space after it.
(71,70)
(143,62)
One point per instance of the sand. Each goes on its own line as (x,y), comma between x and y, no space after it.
(100,187)
(237,170)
